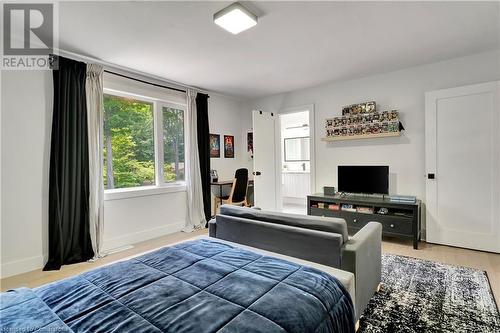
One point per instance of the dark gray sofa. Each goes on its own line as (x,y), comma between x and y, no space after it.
(318,239)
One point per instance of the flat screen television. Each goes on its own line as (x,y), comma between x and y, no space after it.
(363,179)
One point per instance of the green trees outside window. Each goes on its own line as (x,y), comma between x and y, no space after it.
(173,144)
(129,145)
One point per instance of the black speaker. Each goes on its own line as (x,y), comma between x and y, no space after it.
(329,190)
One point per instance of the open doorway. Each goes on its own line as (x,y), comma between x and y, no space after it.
(295,162)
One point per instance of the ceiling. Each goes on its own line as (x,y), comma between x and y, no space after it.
(295,45)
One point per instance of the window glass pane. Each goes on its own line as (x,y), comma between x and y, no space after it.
(173,144)
(129,155)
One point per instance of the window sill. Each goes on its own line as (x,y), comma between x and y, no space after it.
(133,192)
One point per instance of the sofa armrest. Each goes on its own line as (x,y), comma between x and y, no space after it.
(212,228)
(362,255)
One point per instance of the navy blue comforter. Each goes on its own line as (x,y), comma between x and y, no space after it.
(197,286)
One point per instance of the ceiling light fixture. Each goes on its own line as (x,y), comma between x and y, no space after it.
(235,18)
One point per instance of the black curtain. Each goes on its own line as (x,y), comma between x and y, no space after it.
(69,236)
(204,149)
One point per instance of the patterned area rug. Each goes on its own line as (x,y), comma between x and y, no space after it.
(425,296)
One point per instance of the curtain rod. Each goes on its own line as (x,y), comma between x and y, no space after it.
(71,55)
(142,81)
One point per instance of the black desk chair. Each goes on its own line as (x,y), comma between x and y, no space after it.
(238,194)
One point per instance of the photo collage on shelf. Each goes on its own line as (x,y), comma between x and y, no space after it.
(362,119)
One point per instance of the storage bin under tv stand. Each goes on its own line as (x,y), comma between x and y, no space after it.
(402,221)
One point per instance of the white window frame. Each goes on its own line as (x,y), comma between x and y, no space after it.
(160,186)
(159,133)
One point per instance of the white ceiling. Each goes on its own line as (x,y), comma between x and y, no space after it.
(295,45)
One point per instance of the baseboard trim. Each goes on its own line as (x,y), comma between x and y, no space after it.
(34,263)
(140,236)
(22,266)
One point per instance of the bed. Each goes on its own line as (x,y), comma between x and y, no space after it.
(195,286)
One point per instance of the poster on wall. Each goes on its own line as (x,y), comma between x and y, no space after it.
(214,145)
(228,146)
(250,143)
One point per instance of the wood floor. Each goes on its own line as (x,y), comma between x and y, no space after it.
(488,262)
(38,277)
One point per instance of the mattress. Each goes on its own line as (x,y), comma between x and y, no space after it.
(196,286)
(346,278)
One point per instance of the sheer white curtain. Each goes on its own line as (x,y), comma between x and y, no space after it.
(95,118)
(195,213)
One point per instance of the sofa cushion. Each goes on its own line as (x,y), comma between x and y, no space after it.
(327,224)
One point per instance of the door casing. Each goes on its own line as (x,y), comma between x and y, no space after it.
(440,228)
(279,164)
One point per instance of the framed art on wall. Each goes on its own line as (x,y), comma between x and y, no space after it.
(250,142)
(228,146)
(249,137)
(214,145)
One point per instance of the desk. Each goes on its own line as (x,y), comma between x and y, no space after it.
(226,184)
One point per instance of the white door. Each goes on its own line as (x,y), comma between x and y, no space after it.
(462,128)
(264,160)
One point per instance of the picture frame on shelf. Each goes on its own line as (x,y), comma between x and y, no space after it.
(214,176)
(362,121)
(359,108)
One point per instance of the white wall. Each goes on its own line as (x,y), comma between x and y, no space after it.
(26,117)
(25,132)
(131,220)
(227,118)
(403,90)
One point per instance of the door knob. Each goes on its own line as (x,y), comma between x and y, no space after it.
(257,173)
(431,176)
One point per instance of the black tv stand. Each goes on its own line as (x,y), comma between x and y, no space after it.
(402,219)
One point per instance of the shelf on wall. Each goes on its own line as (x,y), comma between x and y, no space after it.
(361,136)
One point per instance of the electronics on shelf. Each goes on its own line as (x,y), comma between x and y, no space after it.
(403,198)
(383,211)
(363,179)
(328,190)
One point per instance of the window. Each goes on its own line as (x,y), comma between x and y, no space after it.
(173,144)
(129,154)
(144,142)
